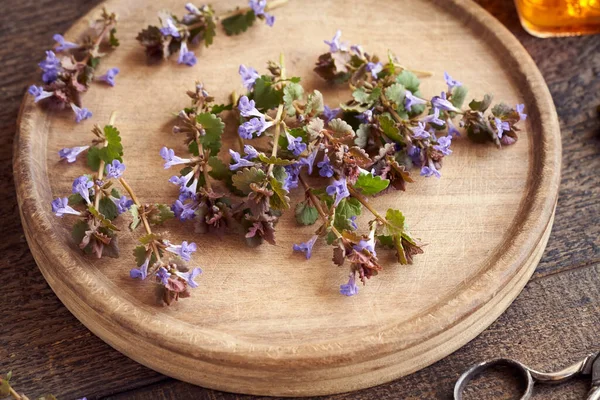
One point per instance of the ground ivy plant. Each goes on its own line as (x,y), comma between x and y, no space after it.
(70,67)
(96,205)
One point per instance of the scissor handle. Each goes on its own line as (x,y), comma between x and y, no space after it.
(476,369)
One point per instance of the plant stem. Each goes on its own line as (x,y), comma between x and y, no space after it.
(205,166)
(277,118)
(14,394)
(363,200)
(417,72)
(313,199)
(97,42)
(143,217)
(111,121)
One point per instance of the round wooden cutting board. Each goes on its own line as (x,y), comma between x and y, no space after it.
(267,321)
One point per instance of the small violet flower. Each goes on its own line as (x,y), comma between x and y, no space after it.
(163,275)
(306,247)
(411,100)
(309,160)
(365,117)
(295,145)
(248,108)
(109,76)
(115,169)
(258,6)
(339,189)
(335,45)
(350,288)
(255,125)
(81,114)
(330,113)
(368,245)
(185,188)
(60,206)
(419,131)
(374,68)
(171,159)
(251,152)
(169,28)
(433,118)
(63,44)
(70,154)
(443,145)
(249,76)
(82,186)
(293,176)
(184,211)
(443,103)
(123,204)
(186,56)
(520,108)
(501,127)
(189,276)
(430,170)
(452,129)
(142,272)
(238,161)
(39,93)
(50,67)
(184,250)
(325,168)
(451,82)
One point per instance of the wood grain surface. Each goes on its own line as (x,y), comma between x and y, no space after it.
(553,322)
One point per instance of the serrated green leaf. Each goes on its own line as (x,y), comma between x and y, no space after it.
(360,95)
(219,108)
(314,128)
(238,23)
(396,93)
(139,253)
(274,160)
(78,231)
(149,238)
(210,26)
(213,127)
(501,110)
(409,81)
(135,213)
(370,184)
(340,127)
(160,214)
(481,105)
(113,149)
(102,218)
(279,201)
(93,158)
(75,199)
(362,135)
(218,169)
(314,103)
(389,128)
(265,95)
(348,208)
(292,92)
(115,193)
(395,222)
(306,214)
(193,148)
(459,94)
(242,179)
(112,38)
(108,208)
(279,173)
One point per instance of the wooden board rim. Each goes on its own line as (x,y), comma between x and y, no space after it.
(537,210)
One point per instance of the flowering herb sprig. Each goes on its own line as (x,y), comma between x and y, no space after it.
(96,204)
(70,67)
(199,24)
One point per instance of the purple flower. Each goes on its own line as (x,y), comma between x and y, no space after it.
(255,125)
(185,188)
(433,118)
(443,145)
(60,206)
(306,247)
(414,153)
(410,100)
(325,168)
(169,28)
(171,159)
(250,151)
(374,68)
(443,103)
(70,154)
(123,204)
(142,272)
(419,131)
(366,245)
(350,288)
(352,221)
(309,160)
(365,117)
(184,211)
(501,127)
(249,76)
(82,186)
(247,108)
(63,44)
(451,82)
(339,189)
(186,56)
(39,93)
(430,170)
(109,76)
(520,108)
(330,113)
(335,45)
(292,179)
(163,275)
(80,113)
(452,129)
(184,250)
(258,6)
(238,161)
(50,67)
(192,9)
(357,49)
(115,169)
(189,276)
(295,145)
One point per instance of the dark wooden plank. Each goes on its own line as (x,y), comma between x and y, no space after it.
(554,321)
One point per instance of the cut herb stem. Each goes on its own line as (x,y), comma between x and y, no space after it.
(363,200)
(277,118)
(111,122)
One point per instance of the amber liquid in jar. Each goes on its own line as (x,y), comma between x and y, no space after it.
(546,18)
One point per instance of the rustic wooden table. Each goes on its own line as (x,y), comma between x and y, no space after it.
(554,321)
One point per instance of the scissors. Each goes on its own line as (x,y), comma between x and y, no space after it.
(588,366)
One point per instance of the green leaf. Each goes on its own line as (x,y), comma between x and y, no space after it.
(340,127)
(115,193)
(112,38)
(213,127)
(160,214)
(193,148)
(238,23)
(242,179)
(501,110)
(314,128)
(275,160)
(135,213)
(78,231)
(219,108)
(102,218)
(210,26)
(459,94)
(75,199)
(360,95)
(362,135)
(370,184)
(265,95)
(108,208)
(139,253)
(395,222)
(314,103)
(93,158)
(306,214)
(409,81)
(389,128)
(292,92)
(4,388)
(218,169)
(396,93)
(348,208)
(481,105)
(149,238)
(113,149)
(279,201)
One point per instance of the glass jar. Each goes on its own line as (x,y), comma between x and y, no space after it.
(545,18)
